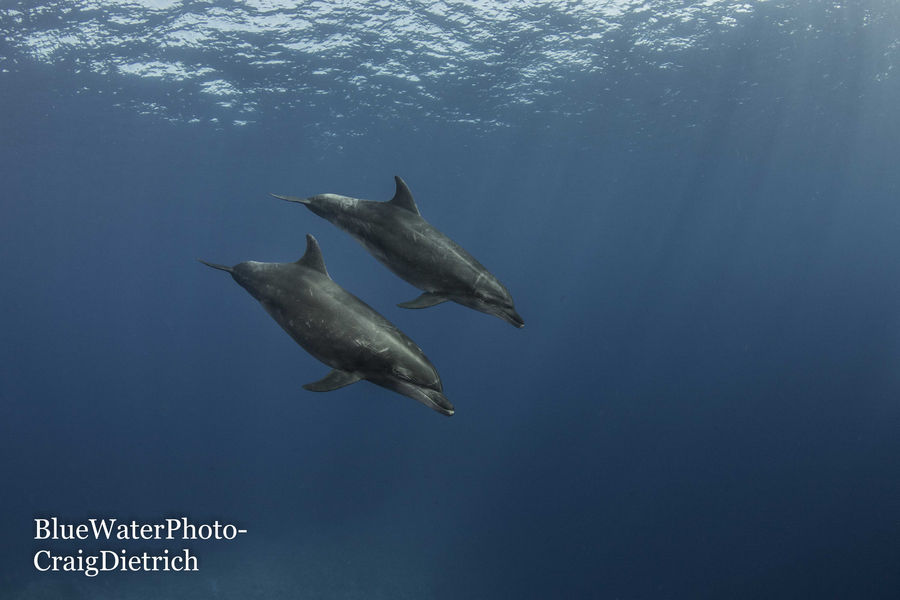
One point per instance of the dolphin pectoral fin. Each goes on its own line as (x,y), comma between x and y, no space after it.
(291,198)
(424,301)
(334,380)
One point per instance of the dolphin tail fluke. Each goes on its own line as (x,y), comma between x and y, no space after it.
(334,380)
(215,266)
(292,199)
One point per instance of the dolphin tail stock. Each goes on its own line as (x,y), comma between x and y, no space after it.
(291,198)
(215,266)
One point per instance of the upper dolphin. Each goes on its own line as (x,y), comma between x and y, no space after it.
(396,234)
(339,329)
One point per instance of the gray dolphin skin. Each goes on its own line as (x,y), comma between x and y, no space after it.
(339,329)
(396,234)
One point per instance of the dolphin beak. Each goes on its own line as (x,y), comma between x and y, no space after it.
(438,401)
(513,318)
(431,398)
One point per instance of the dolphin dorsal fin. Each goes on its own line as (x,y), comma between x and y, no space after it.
(403,197)
(312,258)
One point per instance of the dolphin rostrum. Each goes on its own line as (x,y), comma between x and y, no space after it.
(339,329)
(396,234)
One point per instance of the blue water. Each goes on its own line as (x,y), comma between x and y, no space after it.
(695,206)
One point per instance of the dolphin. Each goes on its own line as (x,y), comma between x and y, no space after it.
(396,234)
(339,329)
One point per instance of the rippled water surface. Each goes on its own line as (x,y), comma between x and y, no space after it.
(471,61)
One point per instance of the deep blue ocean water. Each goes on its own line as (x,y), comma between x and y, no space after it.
(695,205)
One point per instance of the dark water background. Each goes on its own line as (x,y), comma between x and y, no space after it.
(703,402)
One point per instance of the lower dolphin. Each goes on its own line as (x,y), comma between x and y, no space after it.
(339,329)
